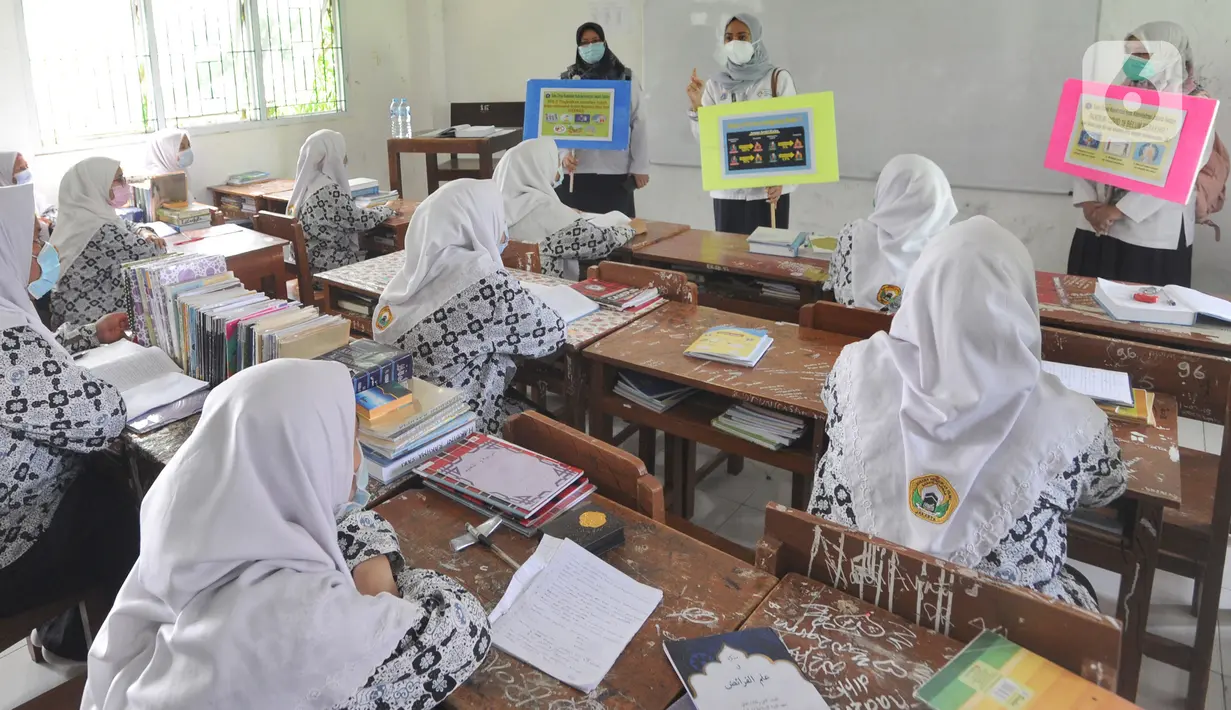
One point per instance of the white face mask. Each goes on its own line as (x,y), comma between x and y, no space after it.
(739,52)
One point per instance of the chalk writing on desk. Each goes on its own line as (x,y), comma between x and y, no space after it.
(1187,369)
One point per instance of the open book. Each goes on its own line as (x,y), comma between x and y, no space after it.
(147,378)
(1176,305)
(563,300)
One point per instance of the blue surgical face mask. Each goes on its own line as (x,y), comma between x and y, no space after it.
(49,262)
(23,177)
(360,501)
(592,53)
(1138,69)
(504,243)
(185,160)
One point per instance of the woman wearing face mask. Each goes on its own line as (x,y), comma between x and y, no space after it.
(20,173)
(747,76)
(168,151)
(1128,236)
(525,176)
(93,242)
(454,306)
(70,525)
(258,586)
(605,180)
(331,221)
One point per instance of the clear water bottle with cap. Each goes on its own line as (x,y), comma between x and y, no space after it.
(404,114)
(395,119)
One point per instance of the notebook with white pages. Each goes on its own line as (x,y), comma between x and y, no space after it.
(147,378)
(1097,384)
(610,219)
(1176,305)
(564,300)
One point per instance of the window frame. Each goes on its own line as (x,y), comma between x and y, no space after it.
(261,121)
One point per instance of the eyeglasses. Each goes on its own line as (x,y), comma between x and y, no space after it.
(588,42)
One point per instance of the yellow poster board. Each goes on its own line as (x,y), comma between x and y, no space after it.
(791,140)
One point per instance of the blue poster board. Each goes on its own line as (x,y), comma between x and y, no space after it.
(579,114)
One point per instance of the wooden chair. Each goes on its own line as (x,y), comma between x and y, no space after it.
(845,320)
(288,228)
(938,595)
(617,474)
(525,256)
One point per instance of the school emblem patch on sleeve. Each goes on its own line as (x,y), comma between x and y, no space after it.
(384,318)
(888,294)
(932,498)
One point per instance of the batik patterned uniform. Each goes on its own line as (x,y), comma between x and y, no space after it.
(581,240)
(470,343)
(94,285)
(332,224)
(840,280)
(439,652)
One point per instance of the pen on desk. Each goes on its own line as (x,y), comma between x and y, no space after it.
(486,542)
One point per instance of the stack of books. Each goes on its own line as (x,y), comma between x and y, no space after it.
(410,433)
(248,178)
(363,187)
(779,291)
(233,204)
(731,345)
(761,426)
(618,297)
(153,193)
(376,199)
(777,242)
(184,214)
(650,392)
(494,477)
(193,309)
(373,364)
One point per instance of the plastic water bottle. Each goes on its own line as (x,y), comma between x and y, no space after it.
(404,114)
(395,122)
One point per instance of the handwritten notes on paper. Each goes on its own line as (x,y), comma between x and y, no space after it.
(575,617)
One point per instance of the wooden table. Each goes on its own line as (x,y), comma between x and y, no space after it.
(654,233)
(705,592)
(433,146)
(1068,302)
(258,192)
(788,378)
(728,273)
(255,258)
(855,653)
(393,228)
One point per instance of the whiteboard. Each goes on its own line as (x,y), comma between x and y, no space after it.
(971,84)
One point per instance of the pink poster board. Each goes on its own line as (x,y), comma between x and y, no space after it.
(1150,160)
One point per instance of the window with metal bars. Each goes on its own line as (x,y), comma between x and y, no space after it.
(105,68)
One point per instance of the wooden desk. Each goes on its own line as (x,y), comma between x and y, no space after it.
(788,378)
(433,146)
(395,225)
(654,233)
(255,258)
(728,272)
(1068,302)
(258,192)
(704,592)
(856,654)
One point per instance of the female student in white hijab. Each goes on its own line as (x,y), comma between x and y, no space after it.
(527,176)
(168,151)
(93,242)
(454,306)
(1129,236)
(874,256)
(14,170)
(321,199)
(259,585)
(747,75)
(70,524)
(947,437)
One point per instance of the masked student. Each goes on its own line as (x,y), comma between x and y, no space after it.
(453,304)
(747,75)
(946,436)
(22,174)
(93,242)
(263,584)
(70,524)
(321,201)
(874,256)
(168,151)
(526,176)
(606,180)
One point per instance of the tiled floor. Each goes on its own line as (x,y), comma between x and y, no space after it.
(733,506)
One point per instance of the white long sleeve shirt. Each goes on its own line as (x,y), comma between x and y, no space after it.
(1148,221)
(635,160)
(714,94)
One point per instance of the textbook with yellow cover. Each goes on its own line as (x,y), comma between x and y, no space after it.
(993,673)
(731,345)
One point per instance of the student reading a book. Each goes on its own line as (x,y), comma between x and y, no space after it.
(93,242)
(606,180)
(263,584)
(168,151)
(456,308)
(1129,236)
(747,75)
(945,434)
(874,256)
(321,200)
(527,176)
(70,526)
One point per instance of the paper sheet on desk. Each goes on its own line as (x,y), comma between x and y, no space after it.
(1097,384)
(147,378)
(571,615)
(610,219)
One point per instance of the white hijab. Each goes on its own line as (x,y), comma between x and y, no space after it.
(913,203)
(241,596)
(955,392)
(453,241)
(83,207)
(8,159)
(525,177)
(163,151)
(322,162)
(16,248)
(1171,55)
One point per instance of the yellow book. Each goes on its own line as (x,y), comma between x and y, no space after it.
(1142,411)
(732,345)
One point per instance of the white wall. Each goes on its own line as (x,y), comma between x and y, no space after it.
(379,63)
(493,46)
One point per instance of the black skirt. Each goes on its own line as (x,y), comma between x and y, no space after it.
(600,193)
(1110,258)
(744,216)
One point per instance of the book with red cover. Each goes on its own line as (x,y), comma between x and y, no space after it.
(568,499)
(614,295)
(505,476)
